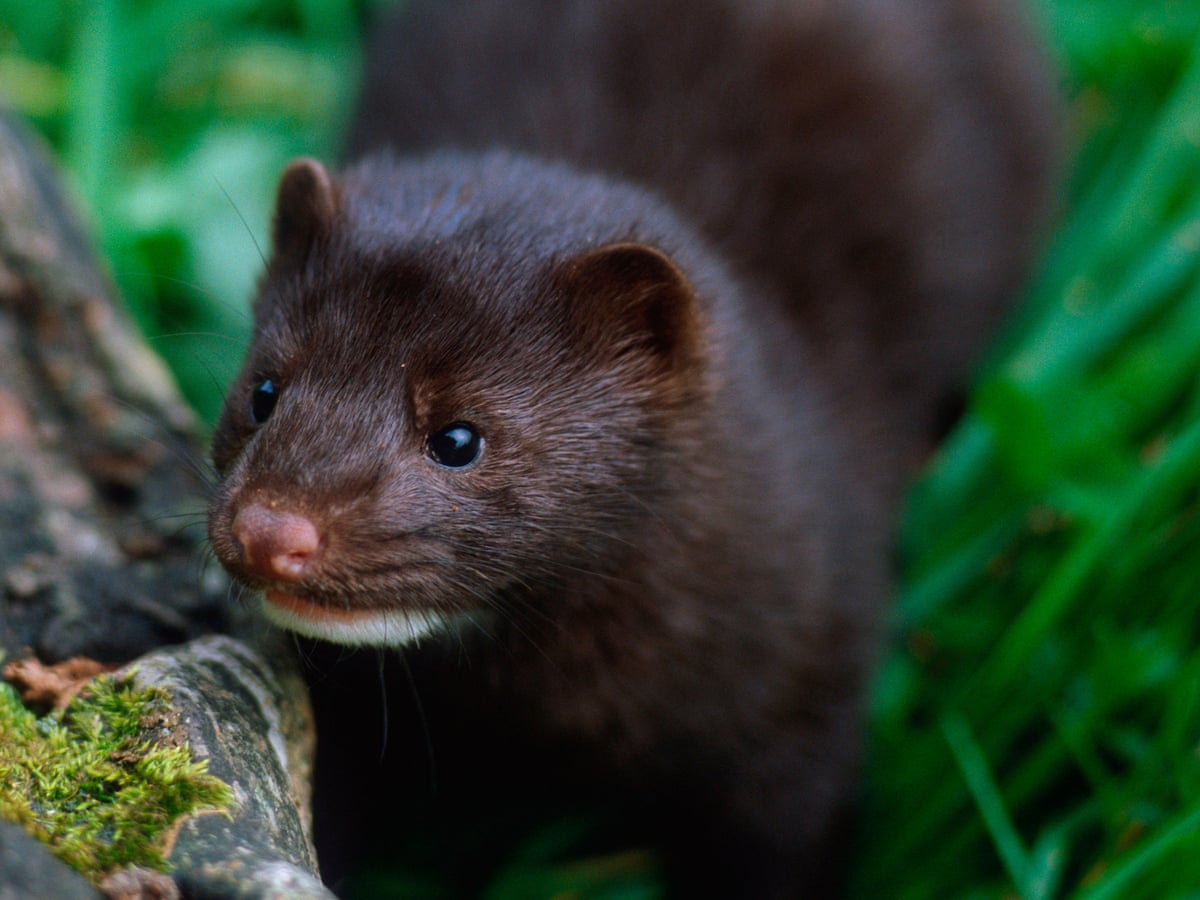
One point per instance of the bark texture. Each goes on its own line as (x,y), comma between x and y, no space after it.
(101,551)
(100,488)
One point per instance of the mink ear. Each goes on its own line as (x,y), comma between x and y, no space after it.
(632,298)
(305,207)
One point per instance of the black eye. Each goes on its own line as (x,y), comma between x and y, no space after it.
(455,446)
(262,400)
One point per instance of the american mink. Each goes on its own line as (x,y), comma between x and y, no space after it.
(592,382)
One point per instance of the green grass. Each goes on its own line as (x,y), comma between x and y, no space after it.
(1036,728)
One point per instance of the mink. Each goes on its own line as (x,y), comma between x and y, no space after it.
(590,385)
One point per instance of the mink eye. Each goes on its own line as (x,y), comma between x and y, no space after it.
(262,400)
(455,446)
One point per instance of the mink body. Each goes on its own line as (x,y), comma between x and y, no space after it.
(687,286)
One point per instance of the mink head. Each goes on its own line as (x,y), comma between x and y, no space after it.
(463,392)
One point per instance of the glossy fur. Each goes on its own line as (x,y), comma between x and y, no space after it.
(702,275)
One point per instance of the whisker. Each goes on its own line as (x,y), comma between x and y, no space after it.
(536,561)
(380,660)
(165,336)
(249,231)
(160,434)
(422,718)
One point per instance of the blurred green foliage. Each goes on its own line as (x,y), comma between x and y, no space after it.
(173,119)
(1036,728)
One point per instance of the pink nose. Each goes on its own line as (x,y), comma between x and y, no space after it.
(277,546)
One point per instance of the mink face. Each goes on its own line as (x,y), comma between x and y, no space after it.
(433,421)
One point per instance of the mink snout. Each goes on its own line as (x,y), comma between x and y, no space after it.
(276,545)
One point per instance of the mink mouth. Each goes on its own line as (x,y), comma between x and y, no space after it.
(357,626)
(315,610)
(416,585)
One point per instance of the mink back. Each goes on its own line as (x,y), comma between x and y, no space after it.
(883,167)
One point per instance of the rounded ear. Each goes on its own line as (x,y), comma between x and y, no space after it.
(632,298)
(305,206)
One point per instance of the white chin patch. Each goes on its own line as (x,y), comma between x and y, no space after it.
(378,628)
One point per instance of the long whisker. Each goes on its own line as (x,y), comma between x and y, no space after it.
(424,721)
(242,219)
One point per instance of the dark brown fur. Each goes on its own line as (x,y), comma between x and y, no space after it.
(700,374)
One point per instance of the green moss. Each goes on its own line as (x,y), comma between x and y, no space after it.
(103,782)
